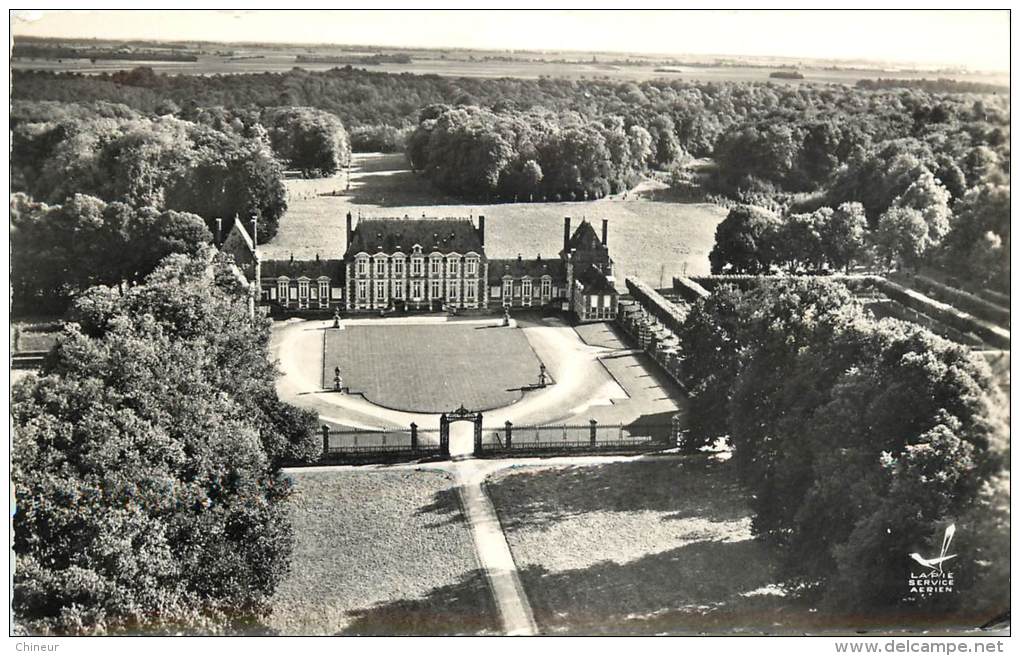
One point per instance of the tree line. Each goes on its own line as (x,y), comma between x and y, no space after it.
(932,180)
(857,440)
(479,153)
(161,162)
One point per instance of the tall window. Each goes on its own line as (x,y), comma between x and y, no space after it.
(526,288)
(454,292)
(508,290)
(362,266)
(434,266)
(453,266)
(546,288)
(471,266)
(362,290)
(398,290)
(282,285)
(302,293)
(398,266)
(323,293)
(380,266)
(435,290)
(380,290)
(416,290)
(416,266)
(469,292)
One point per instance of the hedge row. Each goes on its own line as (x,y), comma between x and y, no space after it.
(947,314)
(966,301)
(670,314)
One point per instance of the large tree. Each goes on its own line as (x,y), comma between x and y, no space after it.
(746,241)
(856,439)
(308,139)
(146,463)
(58,251)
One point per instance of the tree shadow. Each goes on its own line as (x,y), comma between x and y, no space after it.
(446,507)
(694,486)
(695,588)
(463,608)
(398,188)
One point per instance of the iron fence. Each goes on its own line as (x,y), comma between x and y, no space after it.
(572,437)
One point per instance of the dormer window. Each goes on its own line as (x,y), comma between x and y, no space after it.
(453,265)
(435,265)
(380,266)
(362,266)
(471,266)
(398,266)
(416,266)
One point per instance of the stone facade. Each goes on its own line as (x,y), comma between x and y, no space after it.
(435,265)
(415,264)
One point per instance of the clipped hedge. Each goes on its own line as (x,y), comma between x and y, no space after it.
(958,298)
(947,314)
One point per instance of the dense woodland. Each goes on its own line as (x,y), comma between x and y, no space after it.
(908,151)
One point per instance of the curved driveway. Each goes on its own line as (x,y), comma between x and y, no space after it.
(581,380)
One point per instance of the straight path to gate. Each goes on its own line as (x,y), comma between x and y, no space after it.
(491,546)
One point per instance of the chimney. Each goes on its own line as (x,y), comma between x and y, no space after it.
(219,231)
(605,232)
(481,229)
(566,234)
(350,229)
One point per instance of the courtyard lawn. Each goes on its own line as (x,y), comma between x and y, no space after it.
(381,553)
(432,367)
(650,235)
(639,547)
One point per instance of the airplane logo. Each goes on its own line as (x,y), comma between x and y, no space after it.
(936,563)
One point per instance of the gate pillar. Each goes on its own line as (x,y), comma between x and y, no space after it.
(478,434)
(444,435)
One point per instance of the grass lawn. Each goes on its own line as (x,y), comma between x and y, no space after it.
(381,553)
(432,367)
(650,236)
(641,547)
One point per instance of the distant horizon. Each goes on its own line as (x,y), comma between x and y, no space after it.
(987,54)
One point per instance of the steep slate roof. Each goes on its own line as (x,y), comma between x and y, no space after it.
(443,235)
(313,269)
(585,238)
(518,268)
(594,281)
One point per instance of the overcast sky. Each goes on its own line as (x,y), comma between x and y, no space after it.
(976,39)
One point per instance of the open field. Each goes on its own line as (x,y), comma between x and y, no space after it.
(650,236)
(381,553)
(281,61)
(432,367)
(640,547)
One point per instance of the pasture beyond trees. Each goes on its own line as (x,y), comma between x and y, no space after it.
(650,235)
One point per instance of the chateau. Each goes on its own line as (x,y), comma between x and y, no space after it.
(434,265)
